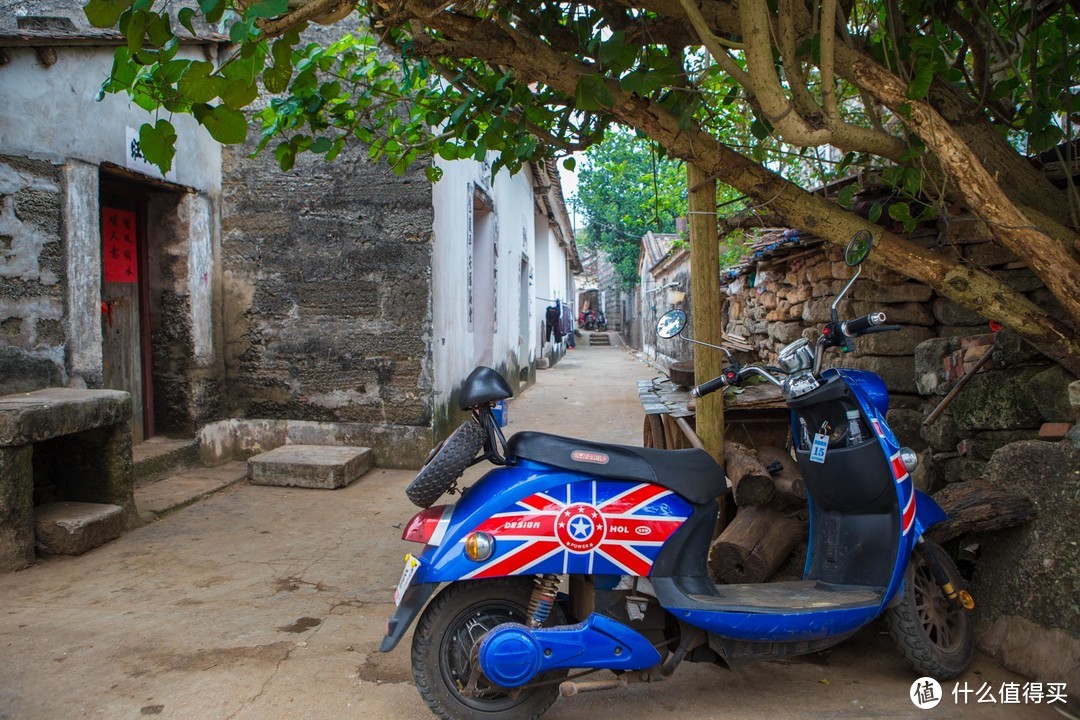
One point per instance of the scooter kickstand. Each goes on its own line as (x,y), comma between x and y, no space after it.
(570,688)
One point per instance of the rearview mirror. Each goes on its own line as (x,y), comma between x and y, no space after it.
(858,247)
(671,324)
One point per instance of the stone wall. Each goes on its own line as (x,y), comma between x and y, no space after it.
(327,290)
(32,275)
(1026,580)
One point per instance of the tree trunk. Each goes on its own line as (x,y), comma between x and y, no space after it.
(790,487)
(754,545)
(977,507)
(750,482)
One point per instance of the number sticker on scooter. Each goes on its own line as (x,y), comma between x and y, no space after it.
(817,451)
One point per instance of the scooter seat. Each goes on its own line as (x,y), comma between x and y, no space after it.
(692,474)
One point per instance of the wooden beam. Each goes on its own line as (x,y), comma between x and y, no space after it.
(707,305)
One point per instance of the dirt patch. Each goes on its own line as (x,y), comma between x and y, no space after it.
(377,669)
(302,625)
(202,660)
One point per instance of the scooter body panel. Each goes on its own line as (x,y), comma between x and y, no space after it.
(780,627)
(545,520)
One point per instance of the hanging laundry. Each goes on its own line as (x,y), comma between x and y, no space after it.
(553,323)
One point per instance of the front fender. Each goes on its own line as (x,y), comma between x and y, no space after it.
(927,513)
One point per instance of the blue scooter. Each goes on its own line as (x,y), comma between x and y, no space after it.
(576,555)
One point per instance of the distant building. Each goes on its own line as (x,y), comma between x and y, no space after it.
(665,285)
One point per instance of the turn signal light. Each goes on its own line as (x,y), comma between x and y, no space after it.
(428,526)
(479,546)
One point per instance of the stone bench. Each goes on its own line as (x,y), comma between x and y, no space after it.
(310,466)
(62,445)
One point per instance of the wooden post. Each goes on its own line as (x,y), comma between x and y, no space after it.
(706,305)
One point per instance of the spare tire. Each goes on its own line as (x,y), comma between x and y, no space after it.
(446,464)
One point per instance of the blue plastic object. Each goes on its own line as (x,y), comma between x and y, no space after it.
(512,654)
(501,412)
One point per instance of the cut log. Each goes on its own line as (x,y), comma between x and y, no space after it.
(754,545)
(790,488)
(975,506)
(750,481)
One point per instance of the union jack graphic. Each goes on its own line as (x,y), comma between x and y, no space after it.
(900,473)
(606,528)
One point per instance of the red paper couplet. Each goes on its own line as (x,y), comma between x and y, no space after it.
(118,251)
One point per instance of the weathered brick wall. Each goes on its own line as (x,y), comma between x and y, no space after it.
(327,285)
(32,276)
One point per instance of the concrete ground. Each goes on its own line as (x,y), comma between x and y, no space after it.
(263,602)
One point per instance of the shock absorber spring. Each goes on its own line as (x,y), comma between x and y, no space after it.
(543,598)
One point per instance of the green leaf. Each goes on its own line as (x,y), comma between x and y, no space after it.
(920,83)
(285,155)
(159,29)
(875,212)
(276,79)
(105,13)
(592,93)
(321,145)
(184,16)
(847,195)
(569,163)
(198,85)
(158,144)
(133,27)
(224,124)
(212,9)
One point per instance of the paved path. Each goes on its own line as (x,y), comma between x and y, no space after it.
(262,602)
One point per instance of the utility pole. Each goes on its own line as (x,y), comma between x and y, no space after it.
(707,305)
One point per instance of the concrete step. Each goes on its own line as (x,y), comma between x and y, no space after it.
(160,457)
(310,466)
(72,528)
(182,489)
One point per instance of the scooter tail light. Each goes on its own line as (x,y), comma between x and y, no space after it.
(428,527)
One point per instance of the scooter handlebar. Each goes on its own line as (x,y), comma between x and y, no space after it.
(858,326)
(709,387)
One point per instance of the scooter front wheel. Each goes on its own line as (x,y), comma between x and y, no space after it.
(935,635)
(442,653)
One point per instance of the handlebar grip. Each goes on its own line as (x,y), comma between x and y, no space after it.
(709,387)
(854,328)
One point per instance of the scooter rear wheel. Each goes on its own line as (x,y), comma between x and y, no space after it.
(935,635)
(446,464)
(442,652)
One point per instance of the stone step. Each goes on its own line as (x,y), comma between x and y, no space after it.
(181,490)
(72,528)
(310,466)
(161,457)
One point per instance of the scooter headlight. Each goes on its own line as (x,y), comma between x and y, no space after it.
(479,546)
(910,459)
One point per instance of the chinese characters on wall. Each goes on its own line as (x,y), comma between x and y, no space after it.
(119,254)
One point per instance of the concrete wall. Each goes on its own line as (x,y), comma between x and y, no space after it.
(327,290)
(50,267)
(522,236)
(52,113)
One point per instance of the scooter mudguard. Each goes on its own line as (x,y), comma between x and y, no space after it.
(513,654)
(927,513)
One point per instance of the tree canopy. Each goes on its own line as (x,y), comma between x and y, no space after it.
(625,189)
(945,99)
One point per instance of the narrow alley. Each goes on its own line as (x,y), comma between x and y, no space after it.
(265,602)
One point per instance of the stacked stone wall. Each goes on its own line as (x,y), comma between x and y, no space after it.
(32,276)
(997,429)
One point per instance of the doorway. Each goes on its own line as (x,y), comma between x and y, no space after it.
(125,300)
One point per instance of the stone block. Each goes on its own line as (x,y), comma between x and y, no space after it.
(983,445)
(49,413)
(947,312)
(897,313)
(1074,399)
(930,375)
(901,342)
(942,434)
(1033,571)
(785,332)
(16,507)
(987,254)
(902,293)
(1050,389)
(1010,349)
(905,425)
(1022,280)
(310,466)
(998,400)
(897,372)
(72,528)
